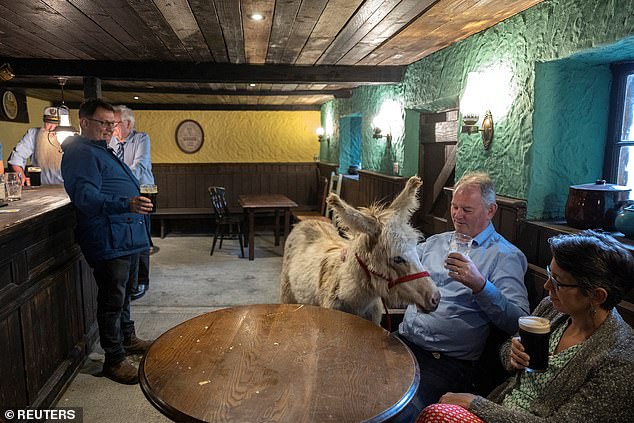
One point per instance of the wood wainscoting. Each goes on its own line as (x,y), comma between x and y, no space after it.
(377,187)
(47,300)
(184,185)
(367,187)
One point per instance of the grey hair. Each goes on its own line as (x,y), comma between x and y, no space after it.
(126,113)
(482,180)
(595,260)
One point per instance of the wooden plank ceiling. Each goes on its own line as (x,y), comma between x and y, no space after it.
(213,54)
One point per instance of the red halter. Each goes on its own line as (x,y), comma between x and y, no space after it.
(391,283)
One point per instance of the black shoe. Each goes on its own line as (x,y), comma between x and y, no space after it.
(138,292)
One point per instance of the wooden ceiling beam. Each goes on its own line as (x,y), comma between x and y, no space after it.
(203,106)
(205,72)
(338,93)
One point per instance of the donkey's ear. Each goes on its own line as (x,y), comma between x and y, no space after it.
(406,203)
(355,219)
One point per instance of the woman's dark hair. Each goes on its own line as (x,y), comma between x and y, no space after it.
(595,260)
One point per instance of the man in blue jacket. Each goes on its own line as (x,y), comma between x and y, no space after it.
(111,230)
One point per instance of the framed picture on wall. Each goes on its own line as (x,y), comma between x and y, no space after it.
(189,136)
(13,107)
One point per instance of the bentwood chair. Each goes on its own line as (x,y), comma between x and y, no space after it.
(326,213)
(227,226)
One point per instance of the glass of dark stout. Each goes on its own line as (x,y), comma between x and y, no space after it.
(535,336)
(150,191)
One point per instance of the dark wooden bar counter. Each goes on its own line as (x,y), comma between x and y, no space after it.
(47,299)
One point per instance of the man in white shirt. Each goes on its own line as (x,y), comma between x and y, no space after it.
(42,147)
(133,148)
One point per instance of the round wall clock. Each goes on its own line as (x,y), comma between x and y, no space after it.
(189,136)
(9,105)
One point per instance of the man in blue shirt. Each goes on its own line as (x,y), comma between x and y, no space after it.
(483,288)
(111,230)
(133,148)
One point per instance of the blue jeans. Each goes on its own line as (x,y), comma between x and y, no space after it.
(114,281)
(439,374)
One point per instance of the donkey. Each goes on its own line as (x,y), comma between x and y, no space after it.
(376,260)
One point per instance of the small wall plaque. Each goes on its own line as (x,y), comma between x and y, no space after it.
(9,105)
(189,136)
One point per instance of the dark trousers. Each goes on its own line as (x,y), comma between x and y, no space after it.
(144,269)
(439,374)
(114,281)
(144,263)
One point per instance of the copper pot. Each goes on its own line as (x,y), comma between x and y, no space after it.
(594,206)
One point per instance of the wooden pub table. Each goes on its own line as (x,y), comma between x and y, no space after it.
(278,363)
(264,202)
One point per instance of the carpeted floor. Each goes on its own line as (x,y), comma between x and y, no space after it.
(184,282)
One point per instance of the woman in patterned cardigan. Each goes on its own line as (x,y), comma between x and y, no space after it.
(591,348)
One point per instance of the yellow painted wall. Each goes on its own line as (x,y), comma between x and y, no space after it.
(230,136)
(234,136)
(12,132)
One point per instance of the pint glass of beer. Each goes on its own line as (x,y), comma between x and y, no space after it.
(534,336)
(35,173)
(150,191)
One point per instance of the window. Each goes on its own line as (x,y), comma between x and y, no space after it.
(619,157)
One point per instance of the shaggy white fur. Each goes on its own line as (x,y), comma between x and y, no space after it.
(320,267)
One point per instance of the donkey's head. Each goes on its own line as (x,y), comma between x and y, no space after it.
(385,243)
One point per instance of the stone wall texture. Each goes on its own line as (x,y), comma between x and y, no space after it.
(593,32)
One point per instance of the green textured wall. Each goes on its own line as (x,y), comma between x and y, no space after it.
(594,32)
(410,143)
(569,131)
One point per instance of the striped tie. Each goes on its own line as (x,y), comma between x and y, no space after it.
(120,151)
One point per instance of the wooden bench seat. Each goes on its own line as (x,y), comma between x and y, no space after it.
(163,214)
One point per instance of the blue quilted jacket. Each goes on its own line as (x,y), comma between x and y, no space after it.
(100,186)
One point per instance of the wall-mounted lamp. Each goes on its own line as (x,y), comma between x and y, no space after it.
(377,133)
(6,72)
(320,134)
(64,129)
(469,126)
(388,122)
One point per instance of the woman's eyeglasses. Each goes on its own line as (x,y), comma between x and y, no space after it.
(104,123)
(556,284)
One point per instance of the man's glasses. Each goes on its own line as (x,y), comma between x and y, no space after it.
(104,123)
(556,284)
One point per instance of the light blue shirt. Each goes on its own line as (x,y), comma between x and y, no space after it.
(460,326)
(136,154)
(25,149)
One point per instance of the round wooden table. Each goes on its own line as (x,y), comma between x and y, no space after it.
(278,363)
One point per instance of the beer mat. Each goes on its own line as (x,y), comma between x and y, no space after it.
(9,210)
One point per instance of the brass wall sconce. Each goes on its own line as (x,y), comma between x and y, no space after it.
(469,127)
(320,134)
(378,134)
(6,72)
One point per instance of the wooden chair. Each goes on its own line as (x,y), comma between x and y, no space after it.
(224,220)
(325,213)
